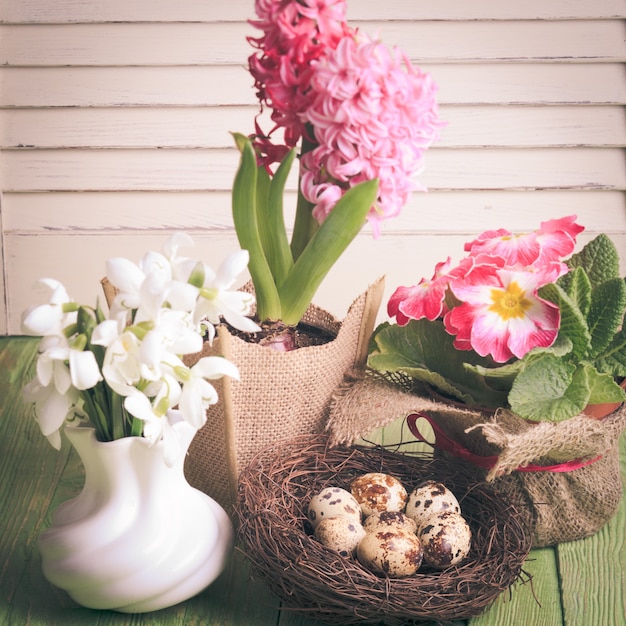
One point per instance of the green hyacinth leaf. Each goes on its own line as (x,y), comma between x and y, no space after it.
(244,205)
(278,250)
(328,243)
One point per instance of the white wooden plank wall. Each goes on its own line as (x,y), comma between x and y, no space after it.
(114,120)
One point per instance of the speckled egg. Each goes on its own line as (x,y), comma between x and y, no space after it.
(378,492)
(429,498)
(388,520)
(446,539)
(341,534)
(333,502)
(396,553)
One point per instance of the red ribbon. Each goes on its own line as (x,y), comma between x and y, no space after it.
(445,443)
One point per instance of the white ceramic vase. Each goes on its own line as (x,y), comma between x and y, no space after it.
(138,537)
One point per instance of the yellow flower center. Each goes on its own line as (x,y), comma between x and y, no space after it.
(510,303)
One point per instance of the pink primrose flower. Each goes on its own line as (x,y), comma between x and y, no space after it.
(520,249)
(553,240)
(424,300)
(373,115)
(501,314)
(557,238)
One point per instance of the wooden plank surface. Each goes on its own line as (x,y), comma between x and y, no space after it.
(462,83)
(209,43)
(61,11)
(210,169)
(88,252)
(485,126)
(576,584)
(85,212)
(4,308)
(591,590)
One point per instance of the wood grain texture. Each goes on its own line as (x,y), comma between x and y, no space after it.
(47,478)
(540,599)
(584,586)
(589,588)
(4,308)
(207,169)
(114,121)
(63,11)
(462,83)
(209,43)
(77,259)
(486,126)
(426,213)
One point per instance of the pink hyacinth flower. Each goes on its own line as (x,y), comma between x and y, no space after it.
(295,34)
(501,314)
(373,115)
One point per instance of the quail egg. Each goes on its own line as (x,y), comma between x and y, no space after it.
(388,520)
(378,492)
(341,534)
(446,539)
(333,502)
(429,498)
(396,553)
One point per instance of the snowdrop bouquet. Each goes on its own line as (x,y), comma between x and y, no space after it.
(122,373)
(360,116)
(515,324)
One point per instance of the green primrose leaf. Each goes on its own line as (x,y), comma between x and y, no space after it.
(550,389)
(423,351)
(608,301)
(602,387)
(599,259)
(244,204)
(502,377)
(577,285)
(613,359)
(324,249)
(573,323)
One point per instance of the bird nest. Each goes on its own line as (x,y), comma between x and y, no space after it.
(275,534)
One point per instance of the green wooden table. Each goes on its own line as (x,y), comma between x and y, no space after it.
(581,583)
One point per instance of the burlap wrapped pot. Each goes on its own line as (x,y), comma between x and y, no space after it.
(281,395)
(572,500)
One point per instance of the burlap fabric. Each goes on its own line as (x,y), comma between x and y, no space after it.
(565,505)
(281,395)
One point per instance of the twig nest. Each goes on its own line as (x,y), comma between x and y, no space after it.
(395,552)
(340,534)
(376,491)
(446,539)
(333,502)
(277,536)
(428,499)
